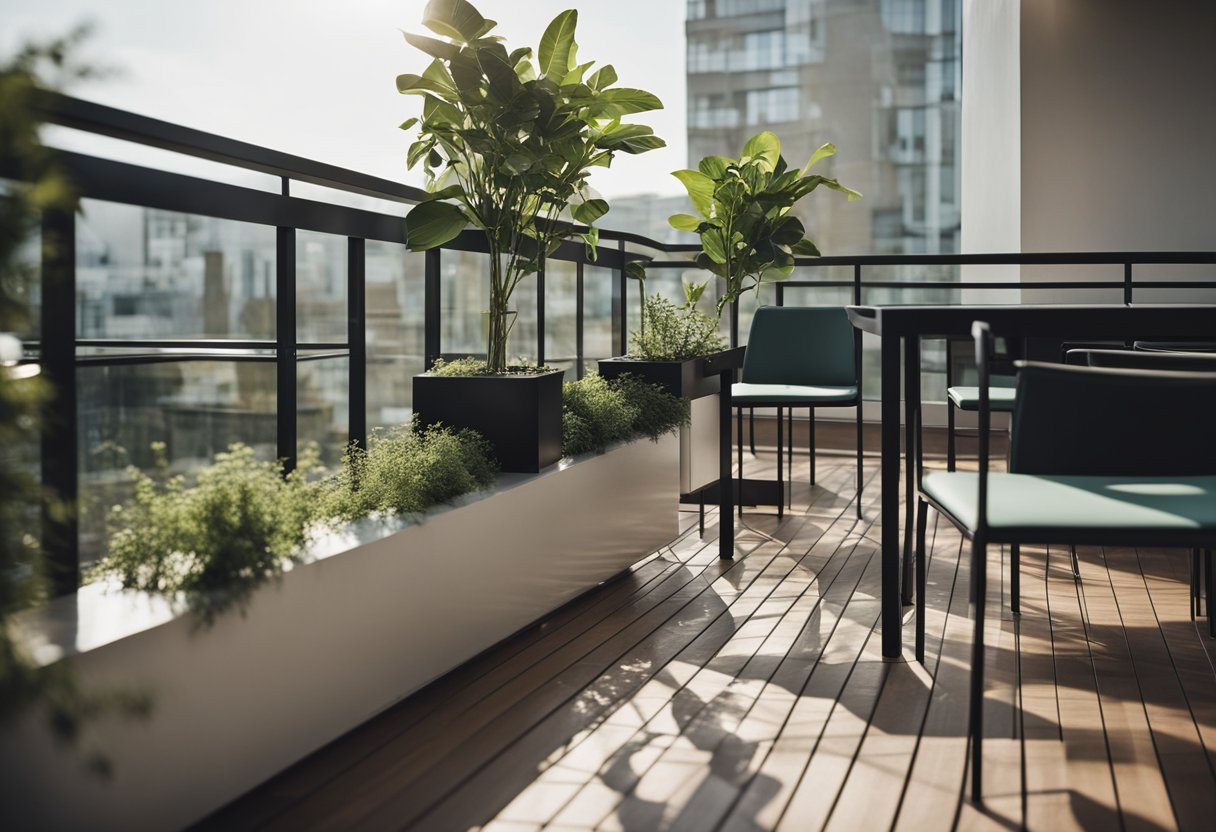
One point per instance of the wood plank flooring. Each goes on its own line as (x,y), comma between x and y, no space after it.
(696,694)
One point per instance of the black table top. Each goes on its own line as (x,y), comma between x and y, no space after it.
(1072,320)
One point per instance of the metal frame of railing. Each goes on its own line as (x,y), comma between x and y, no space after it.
(122,182)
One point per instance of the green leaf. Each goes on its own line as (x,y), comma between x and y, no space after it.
(440,49)
(455,19)
(591,239)
(684,222)
(824,151)
(636,270)
(504,83)
(410,84)
(714,243)
(450,192)
(431,224)
(700,189)
(407,124)
(575,76)
(765,146)
(788,231)
(621,101)
(417,150)
(517,163)
(553,54)
(805,248)
(715,167)
(602,78)
(693,292)
(589,211)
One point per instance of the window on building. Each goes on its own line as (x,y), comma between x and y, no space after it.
(772,106)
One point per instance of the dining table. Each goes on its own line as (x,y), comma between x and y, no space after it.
(901,329)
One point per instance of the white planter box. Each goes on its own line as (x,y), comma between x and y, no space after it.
(373,618)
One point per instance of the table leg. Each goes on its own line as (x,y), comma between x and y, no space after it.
(889,528)
(911,452)
(726,480)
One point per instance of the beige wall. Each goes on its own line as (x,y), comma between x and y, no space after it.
(1116,114)
(991,143)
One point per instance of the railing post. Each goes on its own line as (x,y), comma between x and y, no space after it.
(540,312)
(356,339)
(734,324)
(430,310)
(1127,282)
(780,294)
(285,346)
(60,476)
(620,304)
(578,319)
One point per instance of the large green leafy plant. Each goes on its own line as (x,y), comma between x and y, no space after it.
(507,145)
(748,235)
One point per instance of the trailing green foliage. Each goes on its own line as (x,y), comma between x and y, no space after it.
(748,235)
(507,145)
(37,185)
(408,470)
(216,541)
(597,412)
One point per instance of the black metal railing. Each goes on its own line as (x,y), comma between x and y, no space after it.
(60,351)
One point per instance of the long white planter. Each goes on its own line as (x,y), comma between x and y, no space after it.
(373,618)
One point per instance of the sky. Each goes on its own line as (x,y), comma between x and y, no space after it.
(317,77)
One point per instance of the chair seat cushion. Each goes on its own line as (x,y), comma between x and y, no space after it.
(1000,399)
(743,393)
(1035,501)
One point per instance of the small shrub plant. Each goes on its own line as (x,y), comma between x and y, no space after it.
(597,412)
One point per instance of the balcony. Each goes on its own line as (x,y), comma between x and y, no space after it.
(575,649)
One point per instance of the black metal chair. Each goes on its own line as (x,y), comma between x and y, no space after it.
(1098,457)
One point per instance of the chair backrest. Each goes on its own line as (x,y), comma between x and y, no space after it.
(1202,362)
(804,345)
(1083,420)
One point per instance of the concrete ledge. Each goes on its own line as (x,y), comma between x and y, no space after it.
(379,612)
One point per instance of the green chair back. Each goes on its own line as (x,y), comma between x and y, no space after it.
(1072,420)
(802,345)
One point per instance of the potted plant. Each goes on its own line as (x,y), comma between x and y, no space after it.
(507,146)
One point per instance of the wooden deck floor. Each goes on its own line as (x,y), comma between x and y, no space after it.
(694,694)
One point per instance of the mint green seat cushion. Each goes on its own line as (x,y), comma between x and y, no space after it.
(1000,399)
(1059,501)
(789,395)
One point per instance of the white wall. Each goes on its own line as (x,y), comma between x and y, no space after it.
(991,143)
(1114,104)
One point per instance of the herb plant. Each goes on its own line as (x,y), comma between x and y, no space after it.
(477,367)
(508,144)
(674,333)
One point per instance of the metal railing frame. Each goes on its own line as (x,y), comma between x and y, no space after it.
(122,182)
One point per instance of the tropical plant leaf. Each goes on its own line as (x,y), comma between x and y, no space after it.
(410,84)
(621,101)
(431,224)
(602,78)
(440,49)
(805,248)
(715,167)
(713,241)
(636,270)
(455,19)
(824,151)
(407,124)
(684,222)
(553,54)
(765,146)
(700,189)
(575,76)
(589,211)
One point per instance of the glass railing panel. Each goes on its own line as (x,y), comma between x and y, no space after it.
(323,405)
(598,330)
(192,409)
(561,313)
(464,296)
(321,267)
(145,273)
(395,330)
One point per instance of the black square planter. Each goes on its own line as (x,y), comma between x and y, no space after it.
(686,379)
(520,415)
